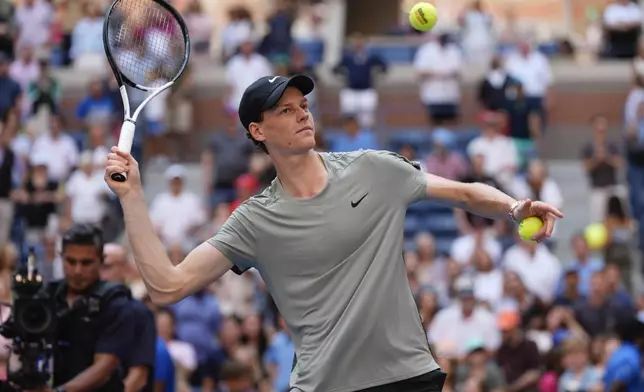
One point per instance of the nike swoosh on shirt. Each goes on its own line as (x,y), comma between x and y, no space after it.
(355,204)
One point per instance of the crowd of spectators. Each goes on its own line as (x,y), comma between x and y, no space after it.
(501,314)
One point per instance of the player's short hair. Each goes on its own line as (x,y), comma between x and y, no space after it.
(84,234)
(260,145)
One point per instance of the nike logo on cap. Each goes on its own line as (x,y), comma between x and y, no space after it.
(272,80)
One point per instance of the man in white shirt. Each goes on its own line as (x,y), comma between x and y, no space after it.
(463,321)
(86,193)
(537,267)
(57,149)
(439,64)
(177,213)
(241,71)
(34,19)
(532,69)
(622,26)
(499,153)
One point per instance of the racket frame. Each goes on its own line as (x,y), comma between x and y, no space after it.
(126,136)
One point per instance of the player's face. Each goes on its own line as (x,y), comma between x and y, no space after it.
(82,266)
(288,128)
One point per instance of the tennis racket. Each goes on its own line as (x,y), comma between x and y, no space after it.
(147,46)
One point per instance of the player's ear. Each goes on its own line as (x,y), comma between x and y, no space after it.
(256,132)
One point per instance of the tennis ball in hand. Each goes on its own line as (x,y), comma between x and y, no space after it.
(529,227)
(423,16)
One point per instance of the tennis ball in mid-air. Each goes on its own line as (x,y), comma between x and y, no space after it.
(423,16)
(596,236)
(529,227)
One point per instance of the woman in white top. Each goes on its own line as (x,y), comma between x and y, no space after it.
(479,37)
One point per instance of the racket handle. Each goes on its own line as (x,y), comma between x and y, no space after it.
(126,138)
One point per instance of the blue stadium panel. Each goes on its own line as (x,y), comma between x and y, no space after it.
(394,54)
(441,225)
(443,245)
(426,207)
(413,225)
(313,50)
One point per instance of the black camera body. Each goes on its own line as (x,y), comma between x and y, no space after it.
(32,329)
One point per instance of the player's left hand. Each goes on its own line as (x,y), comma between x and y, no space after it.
(545,211)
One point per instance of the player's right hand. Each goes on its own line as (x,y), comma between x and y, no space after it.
(122,162)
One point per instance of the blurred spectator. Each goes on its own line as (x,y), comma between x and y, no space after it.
(87,49)
(34,20)
(488,280)
(428,305)
(164,369)
(236,377)
(155,113)
(465,246)
(624,365)
(466,221)
(443,161)
(10,92)
(56,149)
(517,356)
(500,157)
(431,269)
(25,69)
(497,87)
(225,160)
(478,40)
(579,374)
(479,372)
(621,242)
(177,213)
(300,66)
(537,185)
(538,268)
(615,286)
(242,70)
(278,41)
(463,321)
(44,93)
(246,186)
(602,161)
(6,38)
(7,163)
(532,69)
(599,312)
(584,264)
(97,106)
(309,24)
(622,26)
(200,26)
(87,193)
(354,137)
(359,96)
(238,30)
(68,13)
(180,104)
(439,66)
(525,126)
(38,199)
(7,10)
(279,358)
(552,370)
(182,353)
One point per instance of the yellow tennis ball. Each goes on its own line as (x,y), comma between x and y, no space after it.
(529,227)
(596,236)
(423,16)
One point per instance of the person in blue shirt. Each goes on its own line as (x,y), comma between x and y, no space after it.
(164,374)
(623,372)
(278,358)
(97,106)
(354,137)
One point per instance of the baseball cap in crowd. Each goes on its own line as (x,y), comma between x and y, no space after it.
(464,286)
(508,320)
(266,92)
(175,171)
(473,345)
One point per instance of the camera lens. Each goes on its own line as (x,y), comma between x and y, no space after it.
(35,318)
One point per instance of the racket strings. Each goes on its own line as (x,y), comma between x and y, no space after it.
(146,41)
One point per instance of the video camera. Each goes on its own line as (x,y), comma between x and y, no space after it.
(32,329)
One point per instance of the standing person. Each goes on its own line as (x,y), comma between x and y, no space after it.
(326,238)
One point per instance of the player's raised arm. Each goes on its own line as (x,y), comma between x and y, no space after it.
(165,282)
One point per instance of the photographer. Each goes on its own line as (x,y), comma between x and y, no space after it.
(140,363)
(96,325)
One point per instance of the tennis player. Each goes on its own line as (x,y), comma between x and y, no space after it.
(326,237)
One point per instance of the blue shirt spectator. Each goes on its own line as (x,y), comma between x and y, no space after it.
(354,138)
(9,89)
(584,263)
(279,356)
(358,67)
(97,106)
(198,321)
(625,367)
(164,368)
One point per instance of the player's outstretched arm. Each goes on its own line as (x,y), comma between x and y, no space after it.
(165,282)
(484,200)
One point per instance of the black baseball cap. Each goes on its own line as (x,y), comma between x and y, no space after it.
(266,92)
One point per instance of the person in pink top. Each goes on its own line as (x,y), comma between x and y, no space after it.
(443,161)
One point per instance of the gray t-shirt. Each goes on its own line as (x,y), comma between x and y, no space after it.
(333,264)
